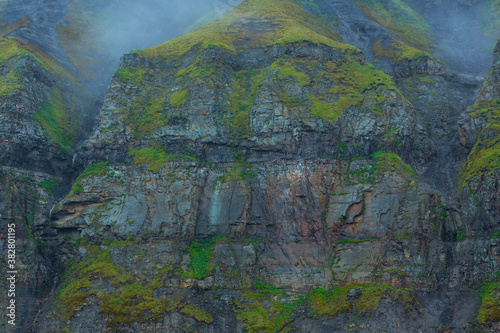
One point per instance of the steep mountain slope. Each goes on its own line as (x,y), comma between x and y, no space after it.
(40,119)
(260,174)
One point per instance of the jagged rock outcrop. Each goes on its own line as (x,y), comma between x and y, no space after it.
(260,174)
(479,131)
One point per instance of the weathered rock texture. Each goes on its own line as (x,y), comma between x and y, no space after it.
(259,174)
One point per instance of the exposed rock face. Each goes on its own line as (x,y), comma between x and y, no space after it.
(479,130)
(259,174)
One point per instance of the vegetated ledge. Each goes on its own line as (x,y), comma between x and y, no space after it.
(484,158)
(254,23)
(354,83)
(56,114)
(123,300)
(408,59)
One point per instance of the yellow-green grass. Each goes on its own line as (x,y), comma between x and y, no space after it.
(485,155)
(489,312)
(14,48)
(77,280)
(55,115)
(399,52)
(335,301)
(199,314)
(391,161)
(58,120)
(125,300)
(154,157)
(92,170)
(254,23)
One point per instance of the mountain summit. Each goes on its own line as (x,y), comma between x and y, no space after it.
(312,166)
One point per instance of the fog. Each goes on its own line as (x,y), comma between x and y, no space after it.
(132,24)
(462,29)
(462,32)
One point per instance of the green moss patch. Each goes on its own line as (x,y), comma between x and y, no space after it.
(125,300)
(133,303)
(48,184)
(55,116)
(14,48)
(92,170)
(145,112)
(200,258)
(336,300)
(398,52)
(178,98)
(155,158)
(485,155)
(258,317)
(77,285)
(356,83)
(391,161)
(489,312)
(257,23)
(132,74)
(244,91)
(57,121)
(199,314)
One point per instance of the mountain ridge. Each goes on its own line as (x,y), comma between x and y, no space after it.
(274,183)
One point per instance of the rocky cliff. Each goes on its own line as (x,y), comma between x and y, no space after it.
(309,167)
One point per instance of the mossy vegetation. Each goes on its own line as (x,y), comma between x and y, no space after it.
(398,52)
(336,300)
(133,303)
(154,157)
(357,83)
(199,314)
(48,184)
(270,309)
(398,17)
(242,170)
(125,300)
(57,121)
(485,155)
(257,23)
(354,84)
(92,170)
(390,161)
(323,109)
(146,113)
(245,89)
(266,308)
(489,312)
(77,285)
(178,98)
(55,116)
(132,74)
(259,318)
(14,48)
(201,70)
(200,258)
